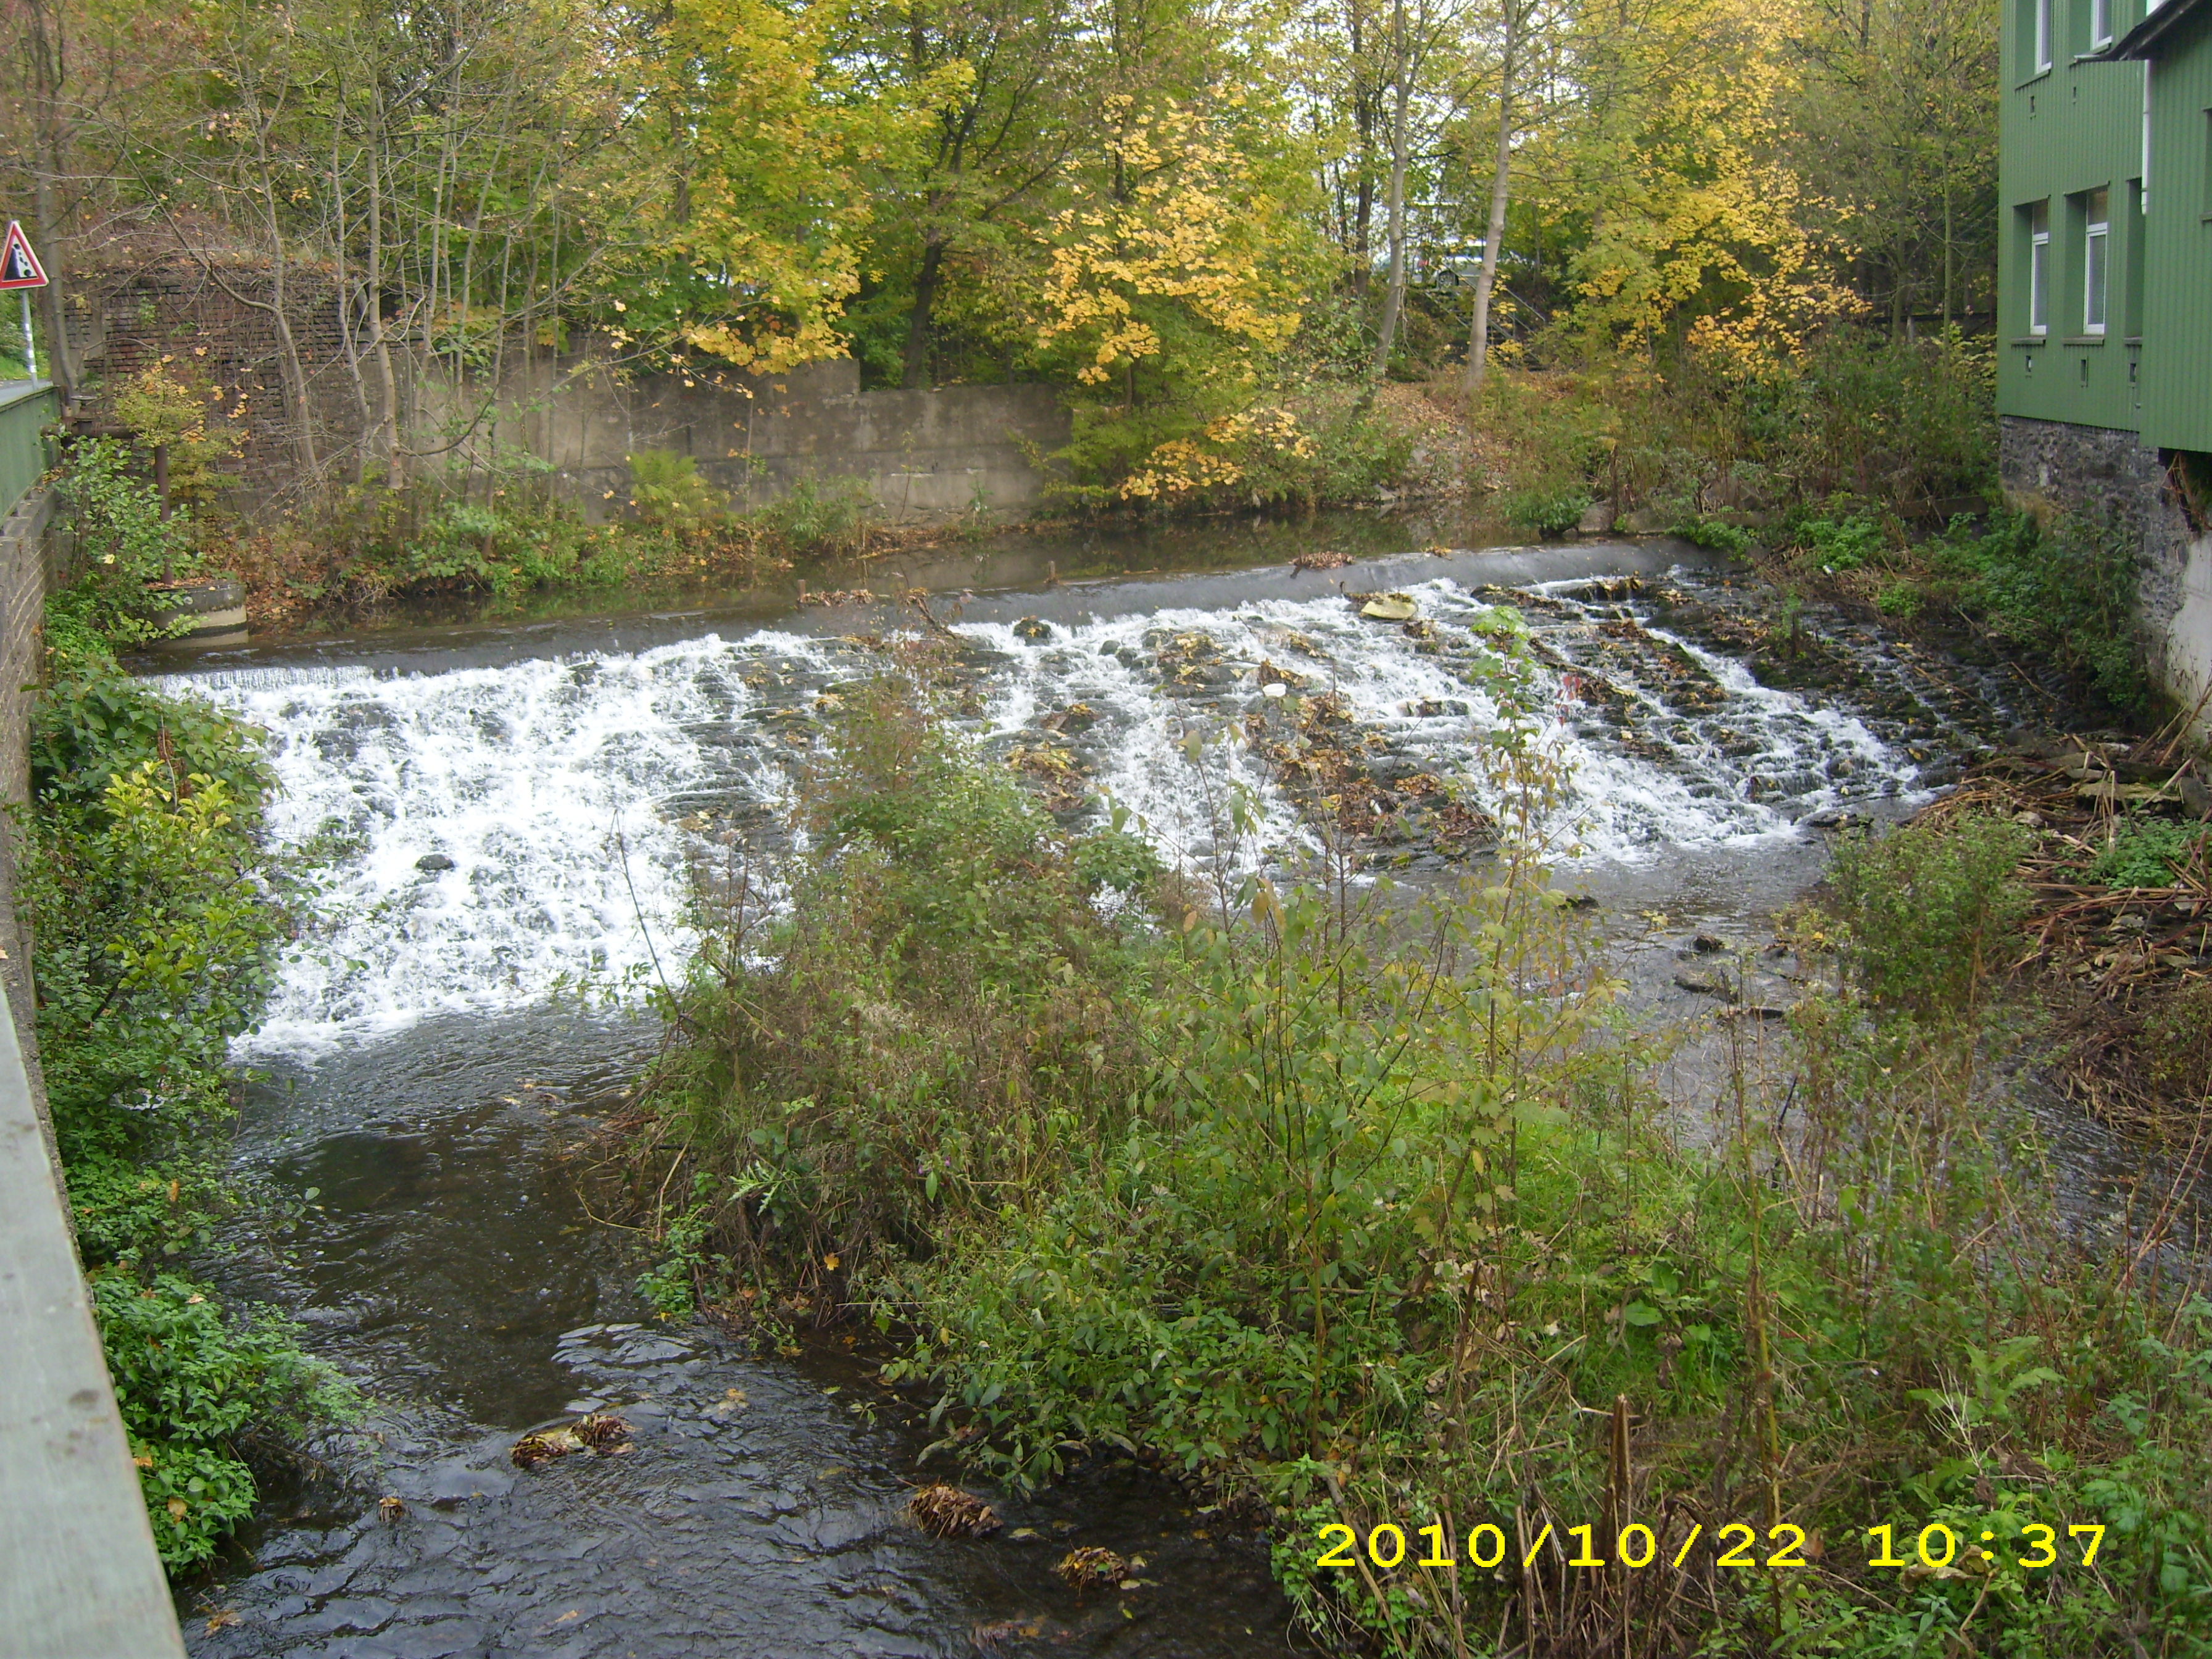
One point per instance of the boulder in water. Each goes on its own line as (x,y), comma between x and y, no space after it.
(433,862)
(1387,607)
(1032,627)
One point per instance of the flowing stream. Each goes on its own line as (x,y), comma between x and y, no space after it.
(520,809)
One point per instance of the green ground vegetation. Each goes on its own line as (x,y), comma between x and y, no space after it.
(1364,1216)
(159,909)
(1865,465)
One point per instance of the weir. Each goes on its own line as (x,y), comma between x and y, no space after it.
(521,812)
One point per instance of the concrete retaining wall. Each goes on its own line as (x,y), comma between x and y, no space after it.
(921,455)
(2101,473)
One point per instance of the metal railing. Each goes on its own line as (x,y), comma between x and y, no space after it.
(28,409)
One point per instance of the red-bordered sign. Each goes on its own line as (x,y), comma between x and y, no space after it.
(18,266)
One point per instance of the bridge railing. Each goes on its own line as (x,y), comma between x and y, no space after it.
(28,409)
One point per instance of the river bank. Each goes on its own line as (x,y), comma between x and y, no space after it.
(572,775)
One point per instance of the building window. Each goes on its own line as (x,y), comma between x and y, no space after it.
(2096,260)
(2100,22)
(2039,269)
(2041,9)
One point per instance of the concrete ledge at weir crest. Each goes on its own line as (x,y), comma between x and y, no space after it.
(79,1577)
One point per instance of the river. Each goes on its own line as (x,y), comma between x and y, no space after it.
(520,803)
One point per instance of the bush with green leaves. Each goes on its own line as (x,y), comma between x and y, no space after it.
(1930,910)
(1893,423)
(1549,509)
(2148,852)
(1702,530)
(123,543)
(929,1028)
(820,516)
(667,492)
(1839,537)
(159,911)
(2067,591)
(204,1391)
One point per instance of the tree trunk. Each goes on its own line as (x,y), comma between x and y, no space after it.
(915,376)
(1947,242)
(1393,301)
(1486,282)
(387,384)
(48,48)
(1363,122)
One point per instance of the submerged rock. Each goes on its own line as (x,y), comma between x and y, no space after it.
(1032,627)
(433,862)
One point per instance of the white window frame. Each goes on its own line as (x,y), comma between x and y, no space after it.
(2100,23)
(2043,31)
(2096,261)
(2039,269)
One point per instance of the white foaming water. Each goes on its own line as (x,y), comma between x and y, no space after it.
(1742,771)
(543,781)
(556,788)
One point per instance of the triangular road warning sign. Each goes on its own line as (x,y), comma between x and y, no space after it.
(18,266)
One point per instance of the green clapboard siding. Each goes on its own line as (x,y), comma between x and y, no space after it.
(2079,127)
(2176,404)
(26,408)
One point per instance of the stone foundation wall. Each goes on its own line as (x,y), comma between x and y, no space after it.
(216,323)
(2052,466)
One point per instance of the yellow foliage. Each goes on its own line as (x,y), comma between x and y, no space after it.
(770,149)
(1692,211)
(1182,222)
(1181,465)
(167,406)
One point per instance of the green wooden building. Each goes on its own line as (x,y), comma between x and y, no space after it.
(2104,291)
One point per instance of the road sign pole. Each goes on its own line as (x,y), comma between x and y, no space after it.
(30,351)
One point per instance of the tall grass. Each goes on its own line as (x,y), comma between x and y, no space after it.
(1366,1213)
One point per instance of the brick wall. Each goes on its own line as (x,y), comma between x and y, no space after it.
(216,320)
(23,575)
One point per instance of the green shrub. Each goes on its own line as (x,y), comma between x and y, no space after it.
(159,912)
(198,1390)
(820,517)
(2146,852)
(123,543)
(936,1025)
(1716,533)
(1859,414)
(667,493)
(1901,599)
(95,726)
(2068,592)
(1548,510)
(1843,544)
(1930,910)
